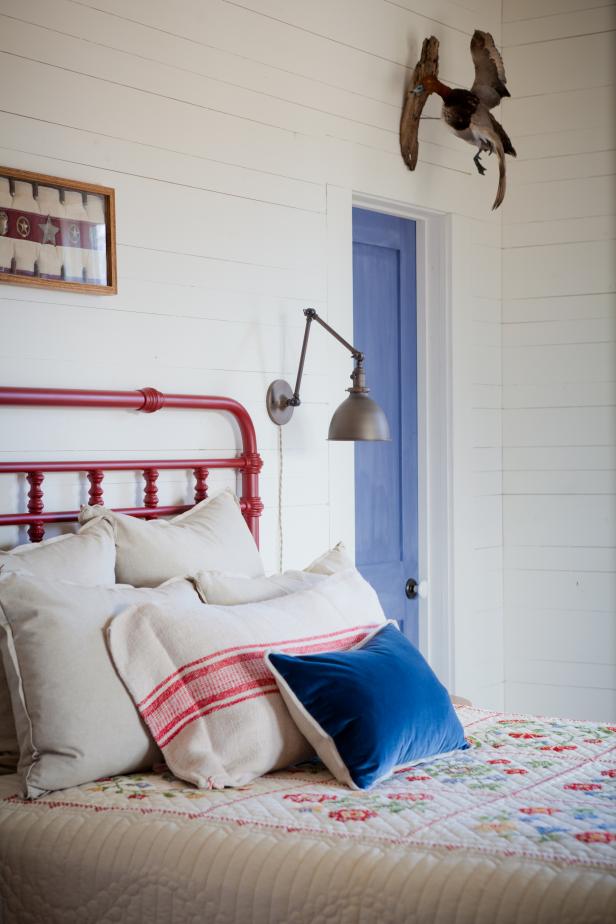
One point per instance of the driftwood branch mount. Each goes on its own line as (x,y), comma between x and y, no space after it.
(415,102)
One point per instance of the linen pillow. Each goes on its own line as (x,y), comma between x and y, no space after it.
(87,556)
(222,589)
(371,709)
(75,721)
(332,561)
(202,686)
(213,535)
(225,589)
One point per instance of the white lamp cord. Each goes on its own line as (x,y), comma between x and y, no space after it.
(280,530)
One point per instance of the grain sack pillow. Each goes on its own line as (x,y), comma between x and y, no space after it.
(202,685)
(211,535)
(75,720)
(87,557)
(225,589)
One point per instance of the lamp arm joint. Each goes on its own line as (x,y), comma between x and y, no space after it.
(311,315)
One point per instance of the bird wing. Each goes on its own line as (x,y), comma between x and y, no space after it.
(414,103)
(502,134)
(490,80)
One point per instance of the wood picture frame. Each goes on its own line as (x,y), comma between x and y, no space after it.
(57,233)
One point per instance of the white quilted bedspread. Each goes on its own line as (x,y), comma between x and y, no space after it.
(520,828)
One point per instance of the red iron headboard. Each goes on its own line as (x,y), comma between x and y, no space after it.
(148,400)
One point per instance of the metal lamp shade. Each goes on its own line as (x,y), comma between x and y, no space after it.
(359,418)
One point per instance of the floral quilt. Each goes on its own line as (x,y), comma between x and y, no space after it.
(532,787)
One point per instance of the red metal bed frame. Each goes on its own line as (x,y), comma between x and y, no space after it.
(148,400)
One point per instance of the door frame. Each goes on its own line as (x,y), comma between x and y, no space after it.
(434,405)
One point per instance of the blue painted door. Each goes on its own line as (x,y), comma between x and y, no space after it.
(385,328)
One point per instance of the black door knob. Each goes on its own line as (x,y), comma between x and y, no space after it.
(410,588)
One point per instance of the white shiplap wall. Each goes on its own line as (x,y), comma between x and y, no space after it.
(559,359)
(235,134)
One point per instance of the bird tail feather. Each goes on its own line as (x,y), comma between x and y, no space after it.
(502,177)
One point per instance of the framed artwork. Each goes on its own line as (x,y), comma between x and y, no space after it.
(56,233)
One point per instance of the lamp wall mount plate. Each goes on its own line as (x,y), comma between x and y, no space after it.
(278,398)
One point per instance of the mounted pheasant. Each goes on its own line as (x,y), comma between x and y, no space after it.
(466,112)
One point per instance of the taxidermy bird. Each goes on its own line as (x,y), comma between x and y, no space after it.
(465,112)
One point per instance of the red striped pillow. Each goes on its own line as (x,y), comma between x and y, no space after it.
(200,681)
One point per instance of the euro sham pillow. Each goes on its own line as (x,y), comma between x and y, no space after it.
(87,557)
(202,686)
(371,709)
(75,720)
(225,589)
(213,535)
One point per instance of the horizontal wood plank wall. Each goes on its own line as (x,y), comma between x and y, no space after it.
(232,132)
(559,359)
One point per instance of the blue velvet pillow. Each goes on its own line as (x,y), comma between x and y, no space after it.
(371,709)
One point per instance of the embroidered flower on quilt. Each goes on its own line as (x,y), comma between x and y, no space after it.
(512,770)
(309,797)
(499,761)
(583,787)
(410,796)
(496,827)
(547,832)
(559,747)
(538,810)
(610,773)
(137,795)
(352,814)
(596,837)
(525,735)
(584,814)
(417,778)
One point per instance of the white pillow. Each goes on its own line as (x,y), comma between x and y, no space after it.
(202,685)
(75,720)
(224,589)
(332,561)
(212,535)
(87,557)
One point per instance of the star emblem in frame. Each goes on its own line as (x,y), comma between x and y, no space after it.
(56,233)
